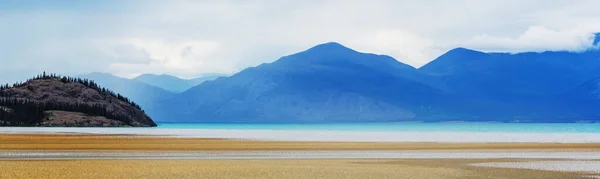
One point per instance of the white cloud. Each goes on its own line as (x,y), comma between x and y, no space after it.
(187,38)
(537,38)
(130,54)
(406,47)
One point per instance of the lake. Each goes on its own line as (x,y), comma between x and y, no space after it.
(401,127)
(355,132)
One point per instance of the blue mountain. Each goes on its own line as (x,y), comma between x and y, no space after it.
(531,86)
(496,75)
(333,83)
(174,84)
(587,91)
(583,101)
(326,83)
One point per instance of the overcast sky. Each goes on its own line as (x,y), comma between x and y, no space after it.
(188,38)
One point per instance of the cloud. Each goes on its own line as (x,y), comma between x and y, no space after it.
(188,38)
(537,38)
(131,55)
(404,46)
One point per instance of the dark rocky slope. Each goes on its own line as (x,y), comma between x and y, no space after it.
(63,101)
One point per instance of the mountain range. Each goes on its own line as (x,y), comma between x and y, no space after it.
(175,84)
(142,93)
(333,83)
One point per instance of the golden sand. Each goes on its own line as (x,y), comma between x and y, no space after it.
(359,169)
(136,143)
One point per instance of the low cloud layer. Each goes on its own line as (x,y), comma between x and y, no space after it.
(188,38)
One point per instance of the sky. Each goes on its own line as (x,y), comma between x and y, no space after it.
(188,38)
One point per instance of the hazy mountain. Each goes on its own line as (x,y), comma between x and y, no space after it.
(327,83)
(174,84)
(147,96)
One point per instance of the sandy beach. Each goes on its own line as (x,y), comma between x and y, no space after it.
(359,169)
(133,156)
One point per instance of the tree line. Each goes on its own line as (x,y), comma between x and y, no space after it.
(24,112)
(66,79)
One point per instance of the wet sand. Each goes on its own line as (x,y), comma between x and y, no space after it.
(266,155)
(78,142)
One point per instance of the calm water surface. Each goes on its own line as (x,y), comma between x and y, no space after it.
(402,127)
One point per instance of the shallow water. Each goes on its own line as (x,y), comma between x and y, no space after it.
(566,166)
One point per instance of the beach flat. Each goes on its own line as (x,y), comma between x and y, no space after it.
(318,168)
(135,156)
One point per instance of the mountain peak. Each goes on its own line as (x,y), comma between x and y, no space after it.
(330,47)
(449,61)
(330,44)
(333,52)
(463,50)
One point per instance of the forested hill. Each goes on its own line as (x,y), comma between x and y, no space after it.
(53,100)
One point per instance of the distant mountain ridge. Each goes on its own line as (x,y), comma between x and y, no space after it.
(144,94)
(174,84)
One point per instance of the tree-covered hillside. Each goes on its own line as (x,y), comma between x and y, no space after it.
(25,104)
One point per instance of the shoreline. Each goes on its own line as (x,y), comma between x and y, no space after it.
(90,142)
(320,136)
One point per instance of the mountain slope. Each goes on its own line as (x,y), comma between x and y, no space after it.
(498,75)
(68,102)
(172,83)
(531,86)
(589,90)
(327,83)
(582,101)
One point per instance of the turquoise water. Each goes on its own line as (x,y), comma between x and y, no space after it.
(402,127)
